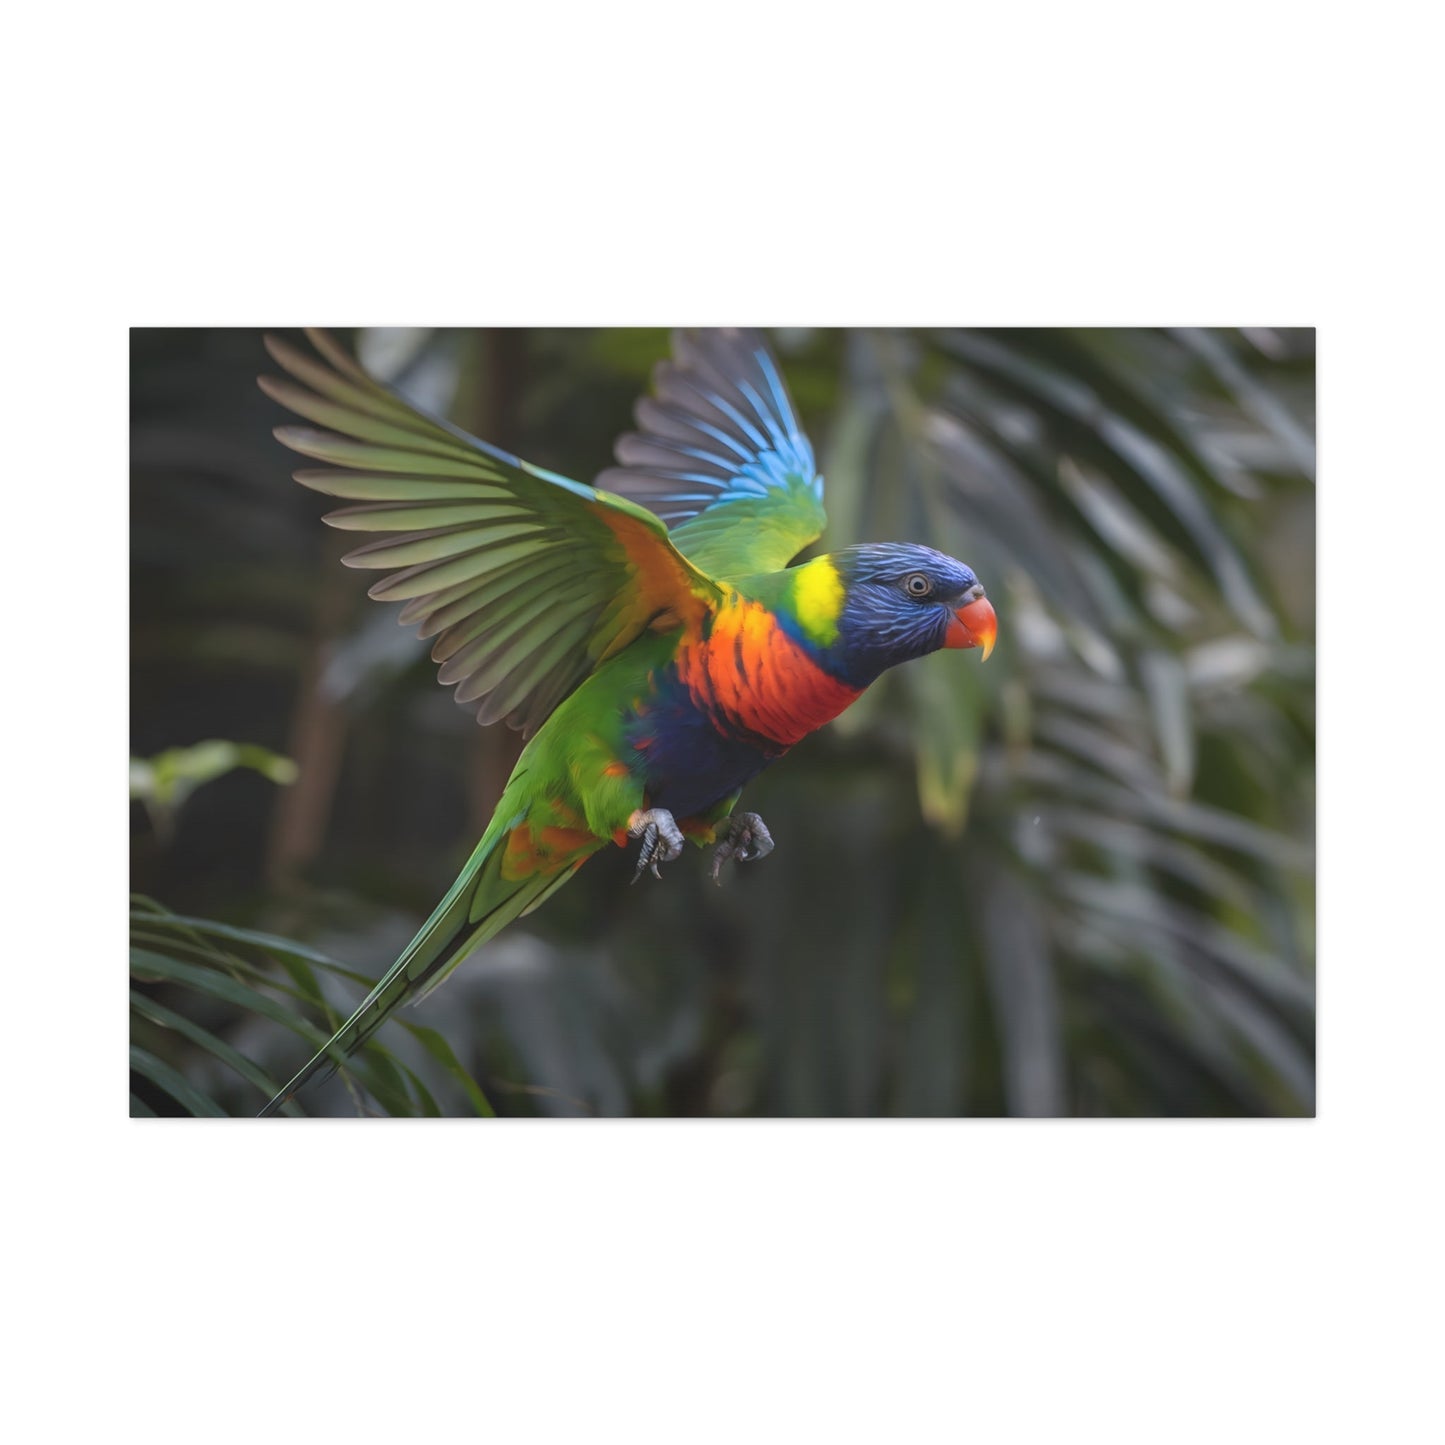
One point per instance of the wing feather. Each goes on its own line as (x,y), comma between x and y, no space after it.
(527,579)
(720,456)
(466,602)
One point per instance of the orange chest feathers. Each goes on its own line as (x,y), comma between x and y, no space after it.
(747,673)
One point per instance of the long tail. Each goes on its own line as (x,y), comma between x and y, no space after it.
(479,905)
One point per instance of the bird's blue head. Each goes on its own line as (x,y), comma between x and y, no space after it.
(900,601)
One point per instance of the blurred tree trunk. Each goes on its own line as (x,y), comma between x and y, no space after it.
(317,740)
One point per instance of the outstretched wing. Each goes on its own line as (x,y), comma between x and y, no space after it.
(527,580)
(720,456)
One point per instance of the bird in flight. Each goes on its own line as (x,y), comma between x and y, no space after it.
(645,633)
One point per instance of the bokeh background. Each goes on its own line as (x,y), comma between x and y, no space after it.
(1078,880)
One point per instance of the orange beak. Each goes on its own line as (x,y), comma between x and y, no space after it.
(974,625)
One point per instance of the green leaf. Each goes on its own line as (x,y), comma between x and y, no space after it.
(270,943)
(948,703)
(1166,685)
(442,1052)
(379,1073)
(168,1018)
(164,782)
(175,1084)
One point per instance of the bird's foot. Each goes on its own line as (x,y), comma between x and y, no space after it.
(745,837)
(661,839)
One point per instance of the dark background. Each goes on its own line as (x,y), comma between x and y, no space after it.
(1077,880)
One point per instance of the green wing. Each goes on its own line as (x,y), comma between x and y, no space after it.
(526,580)
(721,458)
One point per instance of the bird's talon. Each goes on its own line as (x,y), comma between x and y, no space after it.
(661,839)
(745,837)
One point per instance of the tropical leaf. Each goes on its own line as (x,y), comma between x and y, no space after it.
(184,957)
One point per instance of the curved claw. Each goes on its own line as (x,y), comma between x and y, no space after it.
(745,838)
(661,839)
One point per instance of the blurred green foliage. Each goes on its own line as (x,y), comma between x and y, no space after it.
(1078,880)
(223,970)
(164,782)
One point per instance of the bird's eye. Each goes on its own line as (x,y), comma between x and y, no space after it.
(917,585)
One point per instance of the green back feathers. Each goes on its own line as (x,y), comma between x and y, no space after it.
(752,534)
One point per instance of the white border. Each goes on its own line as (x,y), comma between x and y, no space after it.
(1110,163)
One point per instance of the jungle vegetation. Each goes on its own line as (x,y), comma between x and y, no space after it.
(1075,881)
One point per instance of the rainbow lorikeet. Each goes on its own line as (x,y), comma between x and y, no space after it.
(646,634)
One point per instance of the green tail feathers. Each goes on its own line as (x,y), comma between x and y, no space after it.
(478,906)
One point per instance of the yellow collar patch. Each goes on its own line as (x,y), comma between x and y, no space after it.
(818,600)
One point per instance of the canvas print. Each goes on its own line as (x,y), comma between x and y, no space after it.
(831,722)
